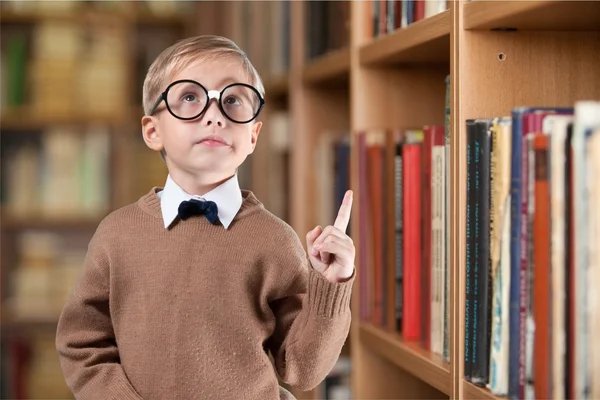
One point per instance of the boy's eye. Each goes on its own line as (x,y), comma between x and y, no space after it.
(189,97)
(231,100)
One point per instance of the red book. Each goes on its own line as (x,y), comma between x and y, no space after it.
(427,149)
(411,171)
(542,299)
(419,10)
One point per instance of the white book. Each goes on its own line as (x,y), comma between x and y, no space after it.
(587,116)
(557,126)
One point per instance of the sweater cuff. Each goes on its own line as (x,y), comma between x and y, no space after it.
(328,299)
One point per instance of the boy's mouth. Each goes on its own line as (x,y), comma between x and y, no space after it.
(213,141)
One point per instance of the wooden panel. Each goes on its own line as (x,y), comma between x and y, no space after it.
(456,239)
(401,97)
(508,69)
(26,118)
(85,16)
(276,88)
(423,364)
(332,67)
(472,392)
(427,40)
(379,378)
(532,15)
(38,222)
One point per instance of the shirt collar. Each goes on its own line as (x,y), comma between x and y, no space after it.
(228,197)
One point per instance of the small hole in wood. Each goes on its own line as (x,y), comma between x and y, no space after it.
(501,56)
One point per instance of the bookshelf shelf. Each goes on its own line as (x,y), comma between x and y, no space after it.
(532,15)
(409,356)
(333,67)
(276,86)
(477,393)
(18,326)
(84,16)
(426,41)
(13,223)
(25,119)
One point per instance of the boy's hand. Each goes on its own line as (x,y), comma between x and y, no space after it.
(330,250)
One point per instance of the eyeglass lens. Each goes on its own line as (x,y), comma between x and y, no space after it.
(187,100)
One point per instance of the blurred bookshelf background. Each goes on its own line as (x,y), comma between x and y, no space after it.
(360,94)
(72,151)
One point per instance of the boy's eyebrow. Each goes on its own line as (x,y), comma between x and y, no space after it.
(225,81)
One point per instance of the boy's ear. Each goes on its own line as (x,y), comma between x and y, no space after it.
(255,133)
(151,133)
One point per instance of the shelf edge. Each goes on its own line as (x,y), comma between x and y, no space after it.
(402,40)
(392,348)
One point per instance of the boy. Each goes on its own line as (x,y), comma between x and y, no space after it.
(186,292)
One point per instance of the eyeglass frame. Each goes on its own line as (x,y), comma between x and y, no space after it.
(210,94)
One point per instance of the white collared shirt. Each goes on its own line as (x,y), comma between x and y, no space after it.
(228,197)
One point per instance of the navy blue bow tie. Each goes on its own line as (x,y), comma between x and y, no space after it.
(188,208)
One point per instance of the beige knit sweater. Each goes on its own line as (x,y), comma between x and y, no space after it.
(192,312)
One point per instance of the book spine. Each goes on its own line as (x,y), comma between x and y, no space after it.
(399,226)
(412,238)
(515,254)
(469,253)
(482,311)
(446,262)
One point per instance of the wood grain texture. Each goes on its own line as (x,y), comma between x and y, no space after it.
(457,200)
(472,392)
(409,356)
(400,98)
(276,87)
(332,67)
(532,15)
(425,41)
(538,68)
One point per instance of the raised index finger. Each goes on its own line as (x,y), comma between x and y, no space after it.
(343,217)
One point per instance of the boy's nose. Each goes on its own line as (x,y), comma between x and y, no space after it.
(213,114)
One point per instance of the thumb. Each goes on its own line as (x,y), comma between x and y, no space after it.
(313,235)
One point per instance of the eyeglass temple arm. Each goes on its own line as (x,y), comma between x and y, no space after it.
(160,98)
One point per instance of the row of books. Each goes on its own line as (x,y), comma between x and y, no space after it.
(532,262)
(331,174)
(327,27)
(404,221)
(388,15)
(55,68)
(402,210)
(264,34)
(47,265)
(47,8)
(59,173)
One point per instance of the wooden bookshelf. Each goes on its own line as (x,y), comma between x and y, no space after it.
(276,86)
(425,41)
(16,223)
(127,167)
(409,356)
(82,16)
(472,392)
(498,55)
(333,66)
(29,119)
(532,15)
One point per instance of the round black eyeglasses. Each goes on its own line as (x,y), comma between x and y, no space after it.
(187,99)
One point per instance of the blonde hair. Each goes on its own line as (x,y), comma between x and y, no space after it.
(176,57)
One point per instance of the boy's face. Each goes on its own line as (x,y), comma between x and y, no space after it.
(210,145)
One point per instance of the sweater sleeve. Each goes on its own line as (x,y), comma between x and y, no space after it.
(312,324)
(85,340)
